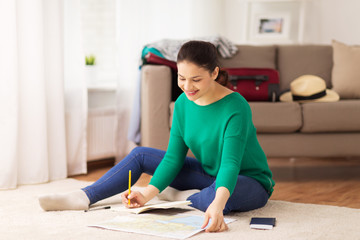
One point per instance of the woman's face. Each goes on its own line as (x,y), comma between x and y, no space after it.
(197,82)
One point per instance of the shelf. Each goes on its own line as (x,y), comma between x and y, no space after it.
(104,87)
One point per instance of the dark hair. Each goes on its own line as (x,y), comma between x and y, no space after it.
(203,54)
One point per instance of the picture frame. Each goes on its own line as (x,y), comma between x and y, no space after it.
(271,26)
(275,21)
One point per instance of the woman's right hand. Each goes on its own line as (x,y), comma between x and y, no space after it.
(137,199)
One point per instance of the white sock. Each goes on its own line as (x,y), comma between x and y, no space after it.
(76,200)
(172,194)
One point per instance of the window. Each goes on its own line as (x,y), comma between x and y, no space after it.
(99,37)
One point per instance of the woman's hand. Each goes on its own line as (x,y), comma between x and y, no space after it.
(137,199)
(217,224)
(215,212)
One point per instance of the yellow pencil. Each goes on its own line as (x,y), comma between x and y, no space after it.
(129,187)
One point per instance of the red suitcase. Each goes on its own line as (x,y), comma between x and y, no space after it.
(254,84)
(152,58)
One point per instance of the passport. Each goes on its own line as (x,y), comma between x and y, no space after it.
(262,223)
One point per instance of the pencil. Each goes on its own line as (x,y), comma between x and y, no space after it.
(99,208)
(129,187)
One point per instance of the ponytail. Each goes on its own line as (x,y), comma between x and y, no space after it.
(223,77)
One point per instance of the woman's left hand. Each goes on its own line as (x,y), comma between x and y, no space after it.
(217,224)
(215,212)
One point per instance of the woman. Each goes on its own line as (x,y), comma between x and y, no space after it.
(230,170)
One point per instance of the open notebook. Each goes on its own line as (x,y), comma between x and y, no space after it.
(166,205)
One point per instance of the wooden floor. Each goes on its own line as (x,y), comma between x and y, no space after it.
(304,180)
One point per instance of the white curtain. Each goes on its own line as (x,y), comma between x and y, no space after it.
(33,136)
(76,98)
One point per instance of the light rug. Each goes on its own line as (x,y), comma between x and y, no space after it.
(22,218)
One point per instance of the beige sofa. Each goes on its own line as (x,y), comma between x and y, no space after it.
(284,129)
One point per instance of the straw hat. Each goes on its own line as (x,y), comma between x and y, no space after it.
(309,88)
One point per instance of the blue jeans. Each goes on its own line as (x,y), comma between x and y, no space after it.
(248,194)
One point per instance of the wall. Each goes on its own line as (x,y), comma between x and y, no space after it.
(324,20)
(235,18)
(339,19)
(142,22)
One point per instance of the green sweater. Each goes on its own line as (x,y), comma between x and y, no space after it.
(222,137)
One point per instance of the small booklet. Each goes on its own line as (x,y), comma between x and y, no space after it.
(262,223)
(166,205)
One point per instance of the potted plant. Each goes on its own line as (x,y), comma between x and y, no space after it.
(90,60)
(90,69)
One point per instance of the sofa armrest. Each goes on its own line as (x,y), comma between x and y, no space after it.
(155,102)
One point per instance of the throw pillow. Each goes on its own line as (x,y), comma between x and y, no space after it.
(346,70)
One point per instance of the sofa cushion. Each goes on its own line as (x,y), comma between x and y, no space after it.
(296,60)
(278,117)
(342,116)
(346,71)
(251,57)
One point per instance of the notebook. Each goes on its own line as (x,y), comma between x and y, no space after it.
(262,223)
(166,205)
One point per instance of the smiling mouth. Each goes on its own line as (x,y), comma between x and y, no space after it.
(191,93)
